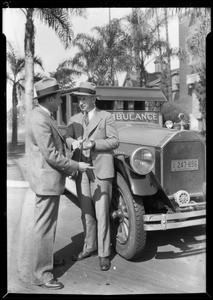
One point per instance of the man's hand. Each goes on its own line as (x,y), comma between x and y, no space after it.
(84,166)
(88,145)
(77,144)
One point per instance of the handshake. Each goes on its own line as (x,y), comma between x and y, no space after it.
(83,144)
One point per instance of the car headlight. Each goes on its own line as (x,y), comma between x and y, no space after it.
(142,161)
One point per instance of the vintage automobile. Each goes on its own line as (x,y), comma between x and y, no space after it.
(160,172)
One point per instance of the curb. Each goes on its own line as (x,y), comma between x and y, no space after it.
(16,183)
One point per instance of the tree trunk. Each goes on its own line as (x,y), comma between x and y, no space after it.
(29,48)
(169,59)
(160,50)
(137,66)
(14,119)
(111,71)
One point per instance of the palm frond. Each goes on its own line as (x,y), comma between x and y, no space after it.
(38,61)
(57,19)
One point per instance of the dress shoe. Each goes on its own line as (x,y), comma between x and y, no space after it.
(104,263)
(58,262)
(84,255)
(53,284)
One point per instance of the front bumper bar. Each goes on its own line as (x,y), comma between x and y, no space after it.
(174,220)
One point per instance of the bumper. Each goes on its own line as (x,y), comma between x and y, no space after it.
(171,221)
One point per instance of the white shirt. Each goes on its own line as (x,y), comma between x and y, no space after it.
(91,113)
(45,109)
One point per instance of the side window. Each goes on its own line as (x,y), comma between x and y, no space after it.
(105,104)
(119,104)
(75,106)
(125,105)
(128,105)
(139,105)
(64,110)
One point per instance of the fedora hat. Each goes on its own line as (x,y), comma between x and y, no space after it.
(46,86)
(86,89)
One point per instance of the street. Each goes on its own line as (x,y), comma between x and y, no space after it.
(173,260)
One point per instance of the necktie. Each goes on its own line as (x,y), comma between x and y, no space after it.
(86,118)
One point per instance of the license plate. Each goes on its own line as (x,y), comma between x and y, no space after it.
(184,165)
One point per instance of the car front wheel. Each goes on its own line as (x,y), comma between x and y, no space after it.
(126,213)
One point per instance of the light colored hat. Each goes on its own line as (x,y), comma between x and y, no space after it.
(86,89)
(46,86)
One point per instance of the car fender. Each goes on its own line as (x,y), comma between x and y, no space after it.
(141,185)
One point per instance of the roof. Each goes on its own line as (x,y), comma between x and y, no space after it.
(126,93)
(130,93)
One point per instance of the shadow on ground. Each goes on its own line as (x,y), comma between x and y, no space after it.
(187,241)
(67,253)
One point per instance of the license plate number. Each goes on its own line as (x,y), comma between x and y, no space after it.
(184,165)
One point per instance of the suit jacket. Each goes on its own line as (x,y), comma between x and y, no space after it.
(103,131)
(46,155)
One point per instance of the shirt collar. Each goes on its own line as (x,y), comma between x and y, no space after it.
(91,113)
(45,109)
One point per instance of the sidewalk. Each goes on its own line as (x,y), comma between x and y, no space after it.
(16,165)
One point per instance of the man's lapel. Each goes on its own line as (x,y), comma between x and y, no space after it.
(52,122)
(55,126)
(95,120)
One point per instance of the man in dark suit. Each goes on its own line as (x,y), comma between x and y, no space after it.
(48,167)
(92,134)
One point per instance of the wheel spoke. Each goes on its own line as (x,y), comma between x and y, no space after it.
(126,221)
(119,234)
(120,200)
(124,233)
(126,228)
(120,228)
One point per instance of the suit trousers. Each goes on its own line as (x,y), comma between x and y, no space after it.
(45,221)
(95,196)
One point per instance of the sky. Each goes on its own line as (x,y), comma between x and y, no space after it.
(48,46)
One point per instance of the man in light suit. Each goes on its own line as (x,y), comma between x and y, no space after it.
(48,167)
(92,134)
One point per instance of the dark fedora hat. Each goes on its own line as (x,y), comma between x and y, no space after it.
(86,89)
(46,86)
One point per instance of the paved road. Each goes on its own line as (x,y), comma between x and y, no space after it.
(173,261)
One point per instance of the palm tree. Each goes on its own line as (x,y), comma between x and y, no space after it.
(100,57)
(64,75)
(57,19)
(158,33)
(200,26)
(87,59)
(143,41)
(16,78)
(168,57)
(115,51)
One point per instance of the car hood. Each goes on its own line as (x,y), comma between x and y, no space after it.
(146,135)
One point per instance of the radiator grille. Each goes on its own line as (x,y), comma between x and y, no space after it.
(189,180)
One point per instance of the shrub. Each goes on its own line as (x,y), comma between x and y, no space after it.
(171,110)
